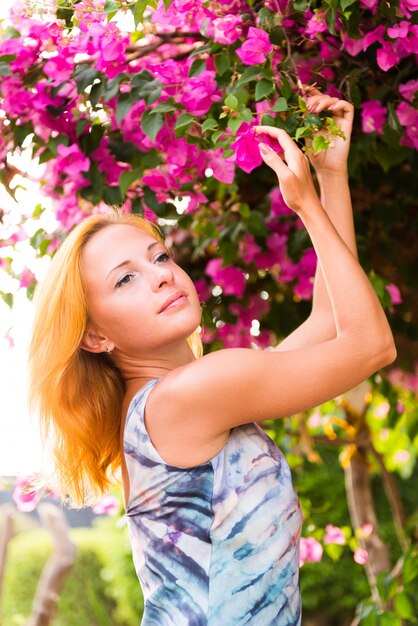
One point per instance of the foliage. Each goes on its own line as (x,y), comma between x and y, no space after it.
(156,117)
(90,596)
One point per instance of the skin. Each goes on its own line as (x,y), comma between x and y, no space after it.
(190,412)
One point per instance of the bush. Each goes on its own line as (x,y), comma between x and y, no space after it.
(100,590)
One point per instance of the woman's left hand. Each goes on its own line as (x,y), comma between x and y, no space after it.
(334,159)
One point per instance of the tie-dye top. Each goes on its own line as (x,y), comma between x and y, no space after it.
(216,544)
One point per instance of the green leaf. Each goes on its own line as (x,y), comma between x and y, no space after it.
(320,143)
(222,63)
(5,69)
(209,124)
(125,103)
(247,115)
(127,178)
(80,126)
(150,199)
(228,251)
(280,105)
(84,76)
(198,66)
(112,87)
(164,107)
(302,104)
(110,6)
(410,568)
(96,92)
(249,74)
(346,3)
(183,121)
(7,58)
(140,7)
(7,297)
(263,88)
(303,132)
(330,21)
(151,123)
(112,196)
(404,606)
(231,102)
(234,123)
(216,136)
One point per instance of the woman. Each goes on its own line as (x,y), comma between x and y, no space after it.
(213,519)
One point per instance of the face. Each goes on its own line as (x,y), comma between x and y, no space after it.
(138,299)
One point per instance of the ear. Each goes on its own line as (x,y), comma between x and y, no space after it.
(95,342)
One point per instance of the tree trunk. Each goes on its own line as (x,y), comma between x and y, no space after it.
(56,568)
(359,492)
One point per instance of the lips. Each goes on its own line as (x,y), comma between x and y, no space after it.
(173,301)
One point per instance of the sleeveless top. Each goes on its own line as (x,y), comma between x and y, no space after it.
(216,544)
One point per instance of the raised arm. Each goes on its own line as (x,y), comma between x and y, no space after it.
(331,171)
(191,411)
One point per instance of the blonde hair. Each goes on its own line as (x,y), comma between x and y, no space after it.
(78,394)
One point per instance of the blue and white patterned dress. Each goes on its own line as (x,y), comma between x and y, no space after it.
(216,544)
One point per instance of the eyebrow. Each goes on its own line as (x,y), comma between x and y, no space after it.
(150,247)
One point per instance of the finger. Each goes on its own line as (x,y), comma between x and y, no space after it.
(311,90)
(273,160)
(342,108)
(286,143)
(279,134)
(292,155)
(320,103)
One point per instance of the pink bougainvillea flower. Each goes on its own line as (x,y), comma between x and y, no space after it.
(399,31)
(361,556)
(246,146)
(370,4)
(333,534)
(377,34)
(365,530)
(24,496)
(199,93)
(278,206)
(406,114)
(408,117)
(59,68)
(71,160)
(395,294)
(316,24)
(223,170)
(373,116)
(311,551)
(230,278)
(255,48)
(108,505)
(381,410)
(386,56)
(26,278)
(202,289)
(408,7)
(409,89)
(226,30)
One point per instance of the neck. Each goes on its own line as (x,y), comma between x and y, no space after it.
(136,370)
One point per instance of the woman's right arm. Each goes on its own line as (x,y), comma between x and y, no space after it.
(234,386)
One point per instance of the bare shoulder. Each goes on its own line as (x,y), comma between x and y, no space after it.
(200,402)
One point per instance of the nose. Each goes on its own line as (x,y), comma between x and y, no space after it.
(163,275)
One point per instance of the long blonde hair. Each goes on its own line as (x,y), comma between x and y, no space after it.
(78,394)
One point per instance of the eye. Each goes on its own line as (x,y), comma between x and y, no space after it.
(124,280)
(163,257)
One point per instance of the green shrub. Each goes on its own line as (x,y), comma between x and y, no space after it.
(100,590)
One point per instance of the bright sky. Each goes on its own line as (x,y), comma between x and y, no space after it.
(20,446)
